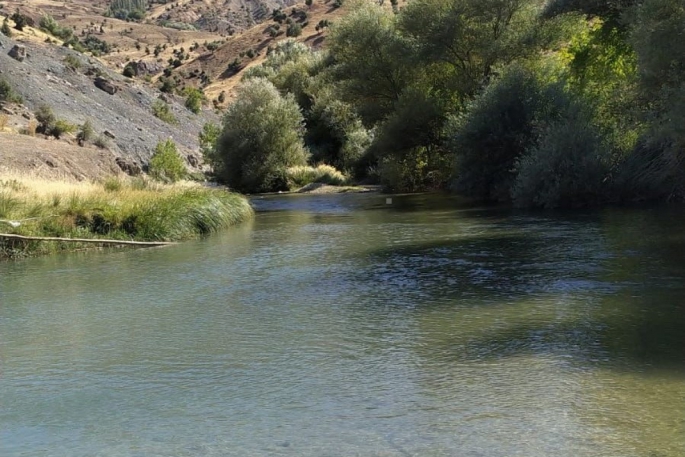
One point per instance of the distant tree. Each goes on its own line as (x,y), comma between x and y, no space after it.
(262,136)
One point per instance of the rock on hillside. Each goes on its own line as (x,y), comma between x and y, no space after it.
(44,79)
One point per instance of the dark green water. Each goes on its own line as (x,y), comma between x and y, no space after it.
(342,326)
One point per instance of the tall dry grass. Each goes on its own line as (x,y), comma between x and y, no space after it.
(300,176)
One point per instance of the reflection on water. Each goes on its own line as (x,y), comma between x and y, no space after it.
(339,326)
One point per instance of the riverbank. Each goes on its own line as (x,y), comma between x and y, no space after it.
(126,209)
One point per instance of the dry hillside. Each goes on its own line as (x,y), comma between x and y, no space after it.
(199,58)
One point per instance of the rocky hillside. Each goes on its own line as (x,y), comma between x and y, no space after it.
(122,113)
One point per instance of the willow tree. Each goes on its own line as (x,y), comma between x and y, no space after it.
(261,137)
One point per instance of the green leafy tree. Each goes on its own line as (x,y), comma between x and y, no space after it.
(262,136)
(372,60)
(166,164)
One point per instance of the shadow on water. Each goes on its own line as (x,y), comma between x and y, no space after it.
(603,289)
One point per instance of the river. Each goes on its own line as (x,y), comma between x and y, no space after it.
(345,326)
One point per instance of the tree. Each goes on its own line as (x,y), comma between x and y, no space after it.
(471,36)
(373,60)
(166,164)
(261,138)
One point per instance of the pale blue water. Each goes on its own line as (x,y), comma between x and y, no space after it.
(341,326)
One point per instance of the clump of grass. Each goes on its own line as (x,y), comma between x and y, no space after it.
(101,142)
(115,208)
(300,176)
(3,121)
(30,128)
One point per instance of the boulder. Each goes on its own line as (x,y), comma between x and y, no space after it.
(107,86)
(18,52)
(129,167)
(147,68)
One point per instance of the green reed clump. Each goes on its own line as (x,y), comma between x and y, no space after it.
(113,209)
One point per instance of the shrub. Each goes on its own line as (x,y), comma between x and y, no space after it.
(294,30)
(101,142)
(7,94)
(166,164)
(130,70)
(49,24)
(30,129)
(566,169)
(194,99)
(261,138)
(21,21)
(46,119)
(72,62)
(62,127)
(162,111)
(86,132)
(497,129)
(5,29)
(208,138)
(3,121)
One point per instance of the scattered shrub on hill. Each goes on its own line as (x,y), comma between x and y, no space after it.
(5,29)
(7,94)
(194,99)
(72,62)
(262,137)
(30,128)
(101,142)
(48,124)
(208,137)
(130,70)
(21,21)
(127,10)
(46,119)
(166,164)
(162,111)
(49,24)
(86,133)
(62,127)
(294,30)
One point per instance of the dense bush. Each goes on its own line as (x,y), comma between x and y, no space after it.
(166,164)
(261,138)
(497,129)
(567,168)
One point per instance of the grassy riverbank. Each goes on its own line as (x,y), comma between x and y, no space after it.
(119,209)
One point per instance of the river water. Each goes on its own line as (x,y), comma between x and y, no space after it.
(345,326)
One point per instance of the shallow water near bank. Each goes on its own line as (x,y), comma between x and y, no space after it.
(339,325)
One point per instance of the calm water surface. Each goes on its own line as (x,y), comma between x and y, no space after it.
(342,326)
